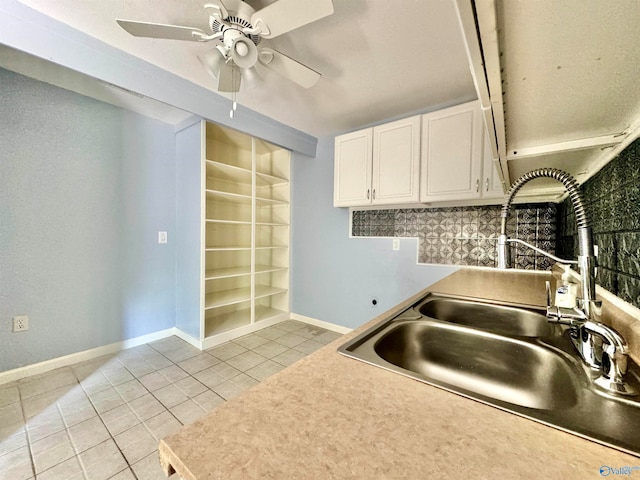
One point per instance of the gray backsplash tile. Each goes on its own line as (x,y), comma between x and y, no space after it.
(628,288)
(464,235)
(612,203)
(607,279)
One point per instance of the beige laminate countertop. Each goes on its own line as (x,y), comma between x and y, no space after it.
(329,416)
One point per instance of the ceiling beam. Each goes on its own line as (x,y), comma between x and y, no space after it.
(568,146)
(490,104)
(487,25)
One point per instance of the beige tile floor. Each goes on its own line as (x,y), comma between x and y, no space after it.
(103,419)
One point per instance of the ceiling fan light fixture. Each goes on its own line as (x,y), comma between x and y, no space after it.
(243,52)
(241,49)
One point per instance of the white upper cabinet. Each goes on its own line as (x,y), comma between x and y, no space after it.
(452,154)
(379,165)
(396,162)
(443,156)
(352,169)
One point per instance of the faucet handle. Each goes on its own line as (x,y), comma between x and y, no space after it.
(565,316)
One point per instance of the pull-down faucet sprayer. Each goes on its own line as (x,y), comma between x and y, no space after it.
(600,346)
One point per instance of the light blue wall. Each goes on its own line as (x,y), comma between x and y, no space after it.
(188,223)
(334,277)
(84,189)
(81,251)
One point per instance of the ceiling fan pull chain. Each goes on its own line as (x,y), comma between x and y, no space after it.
(234,104)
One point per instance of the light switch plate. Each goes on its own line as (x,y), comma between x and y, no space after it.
(162,237)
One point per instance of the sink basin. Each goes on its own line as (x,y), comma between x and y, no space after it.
(484,316)
(490,365)
(506,357)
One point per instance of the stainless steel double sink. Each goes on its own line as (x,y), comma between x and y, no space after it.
(504,356)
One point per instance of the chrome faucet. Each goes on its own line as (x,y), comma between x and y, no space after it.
(600,347)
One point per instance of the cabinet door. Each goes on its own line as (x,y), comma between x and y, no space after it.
(491,184)
(396,162)
(452,153)
(352,169)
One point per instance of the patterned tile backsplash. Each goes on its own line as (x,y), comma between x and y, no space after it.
(612,201)
(465,235)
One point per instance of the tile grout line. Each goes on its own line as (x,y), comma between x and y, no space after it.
(26,431)
(140,356)
(129,465)
(166,408)
(84,470)
(115,387)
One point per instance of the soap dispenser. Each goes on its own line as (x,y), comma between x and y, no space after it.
(567,292)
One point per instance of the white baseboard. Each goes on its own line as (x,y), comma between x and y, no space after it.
(65,361)
(187,338)
(214,340)
(320,323)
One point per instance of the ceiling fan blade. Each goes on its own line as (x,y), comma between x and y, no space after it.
(286,15)
(158,30)
(218,8)
(288,67)
(227,76)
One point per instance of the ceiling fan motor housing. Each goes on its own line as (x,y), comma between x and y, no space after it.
(238,20)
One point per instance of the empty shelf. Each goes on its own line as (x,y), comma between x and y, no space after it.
(239,271)
(227,272)
(266,180)
(228,321)
(238,295)
(228,197)
(231,173)
(266,313)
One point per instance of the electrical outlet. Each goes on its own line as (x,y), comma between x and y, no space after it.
(162,237)
(396,244)
(20,323)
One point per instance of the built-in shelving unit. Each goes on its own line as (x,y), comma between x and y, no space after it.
(246,233)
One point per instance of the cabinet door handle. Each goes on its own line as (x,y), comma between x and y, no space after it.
(374,193)
(486,185)
(477,185)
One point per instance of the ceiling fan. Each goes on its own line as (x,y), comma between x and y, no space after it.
(239,30)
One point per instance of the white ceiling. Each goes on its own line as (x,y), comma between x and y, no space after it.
(570,70)
(569,80)
(379,58)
